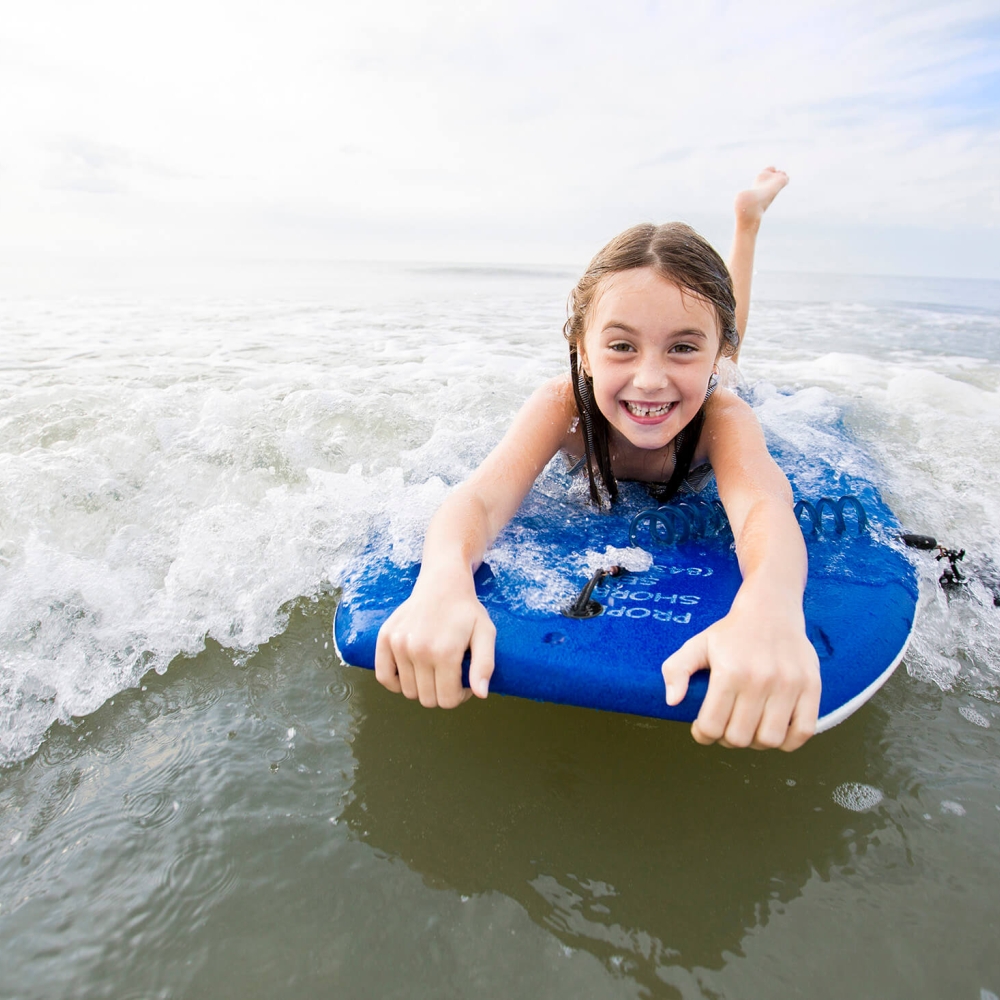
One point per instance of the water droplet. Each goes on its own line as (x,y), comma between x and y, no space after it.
(955,808)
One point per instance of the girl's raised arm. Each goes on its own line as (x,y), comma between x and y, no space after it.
(421,647)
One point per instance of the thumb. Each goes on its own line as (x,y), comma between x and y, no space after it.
(678,667)
(481,646)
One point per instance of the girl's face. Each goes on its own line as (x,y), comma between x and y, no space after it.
(650,347)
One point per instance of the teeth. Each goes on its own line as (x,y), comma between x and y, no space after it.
(648,411)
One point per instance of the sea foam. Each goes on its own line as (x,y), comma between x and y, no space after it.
(174,470)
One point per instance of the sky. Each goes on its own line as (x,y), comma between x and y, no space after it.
(527,132)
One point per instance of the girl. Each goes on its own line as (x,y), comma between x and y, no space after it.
(650,320)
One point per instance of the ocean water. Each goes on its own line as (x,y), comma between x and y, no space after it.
(198,799)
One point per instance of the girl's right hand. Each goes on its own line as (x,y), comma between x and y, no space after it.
(421,646)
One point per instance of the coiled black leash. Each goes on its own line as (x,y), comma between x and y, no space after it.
(695,517)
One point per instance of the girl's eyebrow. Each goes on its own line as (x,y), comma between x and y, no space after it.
(692,331)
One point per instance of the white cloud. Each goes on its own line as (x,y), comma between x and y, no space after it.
(491,129)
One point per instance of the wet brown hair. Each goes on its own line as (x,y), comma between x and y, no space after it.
(675,252)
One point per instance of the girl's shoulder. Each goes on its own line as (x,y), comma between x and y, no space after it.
(560,402)
(550,411)
(732,439)
(548,417)
(726,414)
(559,388)
(555,398)
(725,404)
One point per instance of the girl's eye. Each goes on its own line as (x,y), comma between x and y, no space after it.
(684,348)
(620,346)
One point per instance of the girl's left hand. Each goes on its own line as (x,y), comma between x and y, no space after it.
(764,687)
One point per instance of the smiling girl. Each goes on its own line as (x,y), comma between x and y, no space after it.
(649,322)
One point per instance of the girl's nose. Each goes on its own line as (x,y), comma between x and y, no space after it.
(649,374)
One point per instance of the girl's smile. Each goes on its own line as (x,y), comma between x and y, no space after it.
(650,348)
(643,413)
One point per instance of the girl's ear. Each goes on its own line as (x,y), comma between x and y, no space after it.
(584,363)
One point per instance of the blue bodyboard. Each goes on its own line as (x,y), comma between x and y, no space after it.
(860,599)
